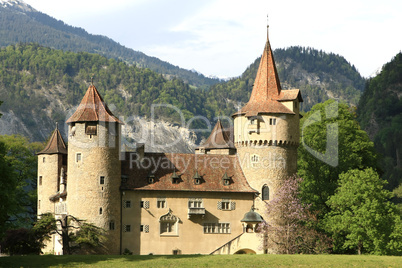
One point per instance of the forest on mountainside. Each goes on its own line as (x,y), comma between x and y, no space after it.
(40,78)
(380,114)
(37,27)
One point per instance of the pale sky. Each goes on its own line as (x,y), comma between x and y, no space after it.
(223,37)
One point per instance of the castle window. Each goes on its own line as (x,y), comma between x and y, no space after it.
(124,178)
(272,121)
(127,228)
(161,202)
(100,211)
(168,224)
(151,178)
(265,192)
(226,204)
(254,160)
(216,228)
(127,204)
(144,228)
(40,180)
(44,159)
(195,203)
(175,178)
(197,178)
(78,157)
(91,128)
(102,180)
(144,204)
(38,204)
(111,225)
(226,179)
(176,252)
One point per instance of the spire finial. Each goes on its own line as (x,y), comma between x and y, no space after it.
(92,80)
(267,27)
(57,125)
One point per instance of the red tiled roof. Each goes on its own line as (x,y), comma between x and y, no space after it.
(267,92)
(93,108)
(211,169)
(219,138)
(56,144)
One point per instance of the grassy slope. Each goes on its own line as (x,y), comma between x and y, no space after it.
(203,261)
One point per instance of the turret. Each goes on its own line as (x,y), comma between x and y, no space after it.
(266,130)
(51,160)
(94,171)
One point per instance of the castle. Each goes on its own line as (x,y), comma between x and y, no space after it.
(209,202)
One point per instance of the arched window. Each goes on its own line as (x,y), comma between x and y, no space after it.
(169,224)
(265,192)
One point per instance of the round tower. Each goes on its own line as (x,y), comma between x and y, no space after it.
(266,131)
(52,161)
(94,170)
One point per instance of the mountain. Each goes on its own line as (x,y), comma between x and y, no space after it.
(380,114)
(20,23)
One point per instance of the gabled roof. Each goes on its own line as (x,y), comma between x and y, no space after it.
(267,92)
(210,168)
(218,139)
(56,144)
(93,108)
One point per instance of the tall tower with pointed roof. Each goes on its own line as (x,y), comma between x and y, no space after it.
(266,130)
(51,161)
(94,170)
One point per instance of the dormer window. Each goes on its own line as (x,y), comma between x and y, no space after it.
(151,178)
(197,178)
(226,179)
(175,178)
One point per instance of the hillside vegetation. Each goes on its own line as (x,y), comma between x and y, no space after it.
(380,114)
(39,84)
(29,25)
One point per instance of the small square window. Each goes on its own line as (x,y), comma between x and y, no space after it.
(124,179)
(127,204)
(127,228)
(78,157)
(102,180)
(144,204)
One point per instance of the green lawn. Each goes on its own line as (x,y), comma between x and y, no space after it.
(203,261)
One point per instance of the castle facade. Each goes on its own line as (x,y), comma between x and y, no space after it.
(209,202)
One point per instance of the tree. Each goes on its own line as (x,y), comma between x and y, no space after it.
(362,218)
(331,143)
(8,194)
(76,235)
(289,227)
(20,241)
(20,156)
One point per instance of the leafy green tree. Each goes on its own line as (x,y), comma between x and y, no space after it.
(9,191)
(76,235)
(20,241)
(362,218)
(331,143)
(20,155)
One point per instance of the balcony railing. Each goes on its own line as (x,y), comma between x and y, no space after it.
(196,211)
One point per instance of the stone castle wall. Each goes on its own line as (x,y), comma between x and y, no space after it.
(94,177)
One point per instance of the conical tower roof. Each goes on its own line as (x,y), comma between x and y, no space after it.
(267,92)
(56,144)
(93,109)
(219,138)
